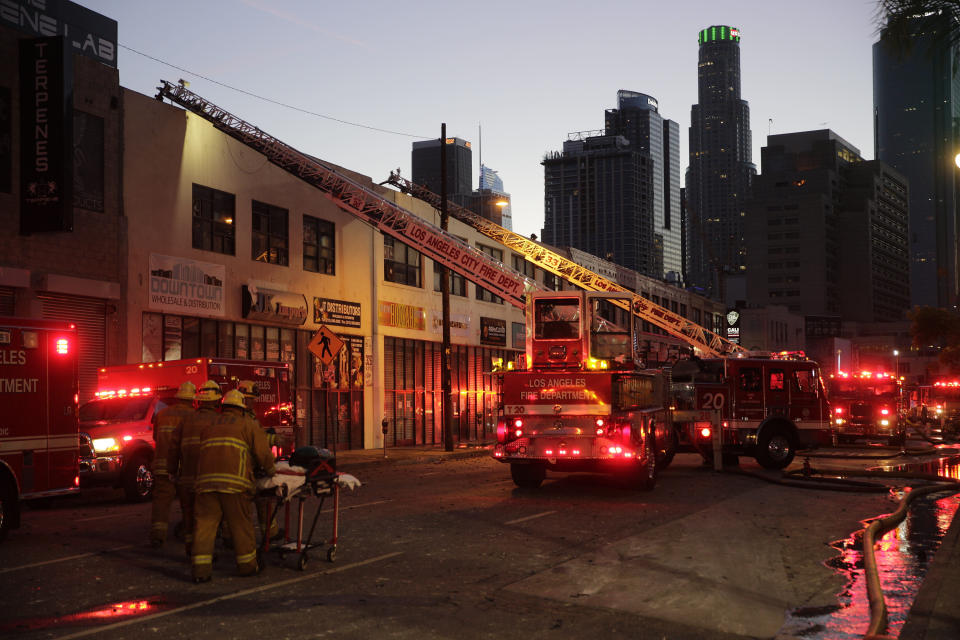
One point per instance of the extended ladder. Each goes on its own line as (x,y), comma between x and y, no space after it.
(707,342)
(387,217)
(438,245)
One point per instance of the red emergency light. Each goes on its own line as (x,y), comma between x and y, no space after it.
(63,346)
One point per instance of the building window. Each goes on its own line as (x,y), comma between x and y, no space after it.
(270,234)
(318,245)
(401,264)
(458,284)
(214,227)
(483,294)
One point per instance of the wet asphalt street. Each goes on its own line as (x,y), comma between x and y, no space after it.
(450,548)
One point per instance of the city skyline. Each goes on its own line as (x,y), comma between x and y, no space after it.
(809,68)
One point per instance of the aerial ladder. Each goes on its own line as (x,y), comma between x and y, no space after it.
(432,241)
(707,342)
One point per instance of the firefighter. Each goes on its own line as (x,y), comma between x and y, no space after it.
(249,390)
(166,429)
(231,448)
(185,448)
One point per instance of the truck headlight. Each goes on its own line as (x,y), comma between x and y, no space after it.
(106,444)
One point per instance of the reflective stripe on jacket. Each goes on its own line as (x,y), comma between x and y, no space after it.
(187,446)
(230,449)
(168,421)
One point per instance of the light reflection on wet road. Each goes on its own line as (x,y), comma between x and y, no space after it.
(903,555)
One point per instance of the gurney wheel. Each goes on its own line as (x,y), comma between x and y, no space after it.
(331,554)
(302,561)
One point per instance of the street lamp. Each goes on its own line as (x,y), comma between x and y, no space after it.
(957,159)
(896,354)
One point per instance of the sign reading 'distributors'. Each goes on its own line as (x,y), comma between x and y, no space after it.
(179,285)
(336,312)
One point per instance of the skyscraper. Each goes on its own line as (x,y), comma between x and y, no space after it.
(491,183)
(827,231)
(721,166)
(616,193)
(425,161)
(916,100)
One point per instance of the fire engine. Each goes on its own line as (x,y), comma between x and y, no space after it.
(38,414)
(116,438)
(943,406)
(768,407)
(866,404)
(583,405)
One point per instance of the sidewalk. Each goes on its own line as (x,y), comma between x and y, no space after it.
(358,458)
(935,614)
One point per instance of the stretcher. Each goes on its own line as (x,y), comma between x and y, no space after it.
(297,484)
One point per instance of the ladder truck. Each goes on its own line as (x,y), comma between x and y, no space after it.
(448,250)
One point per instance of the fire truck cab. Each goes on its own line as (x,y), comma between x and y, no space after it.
(116,428)
(583,404)
(866,404)
(768,407)
(38,414)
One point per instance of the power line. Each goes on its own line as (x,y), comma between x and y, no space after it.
(272,101)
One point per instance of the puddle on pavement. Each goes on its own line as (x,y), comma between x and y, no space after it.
(104,614)
(903,556)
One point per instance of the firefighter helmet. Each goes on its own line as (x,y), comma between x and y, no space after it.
(209,392)
(233,398)
(187,391)
(248,388)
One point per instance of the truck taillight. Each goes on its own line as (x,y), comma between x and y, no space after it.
(76,481)
(838,410)
(63,346)
(884,411)
(705,432)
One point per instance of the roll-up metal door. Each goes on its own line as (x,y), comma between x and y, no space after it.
(90,316)
(6,301)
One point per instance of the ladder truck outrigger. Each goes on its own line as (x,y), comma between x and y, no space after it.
(475,265)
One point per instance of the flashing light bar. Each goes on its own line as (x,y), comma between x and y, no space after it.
(63,346)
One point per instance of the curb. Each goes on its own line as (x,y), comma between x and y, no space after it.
(417,458)
(924,608)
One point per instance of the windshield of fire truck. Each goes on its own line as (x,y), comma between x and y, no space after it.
(608,339)
(115,409)
(556,319)
(857,387)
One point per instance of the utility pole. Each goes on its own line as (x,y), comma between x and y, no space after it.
(445,383)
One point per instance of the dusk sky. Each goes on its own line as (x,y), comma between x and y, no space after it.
(528,72)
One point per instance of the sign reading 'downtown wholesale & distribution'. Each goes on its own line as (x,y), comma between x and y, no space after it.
(179,285)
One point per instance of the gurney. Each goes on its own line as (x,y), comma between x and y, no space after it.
(301,483)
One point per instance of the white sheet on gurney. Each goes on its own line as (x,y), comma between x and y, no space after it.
(294,477)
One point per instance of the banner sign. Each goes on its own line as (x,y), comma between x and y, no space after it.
(493,331)
(268,305)
(46,136)
(402,316)
(558,394)
(86,32)
(179,285)
(459,324)
(470,263)
(340,313)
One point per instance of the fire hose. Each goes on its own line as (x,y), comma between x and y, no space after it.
(876,528)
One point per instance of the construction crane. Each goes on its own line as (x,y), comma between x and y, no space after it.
(707,342)
(430,240)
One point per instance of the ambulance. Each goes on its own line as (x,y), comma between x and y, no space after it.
(38,414)
(116,427)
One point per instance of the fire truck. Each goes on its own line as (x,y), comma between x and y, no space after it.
(942,402)
(766,407)
(116,428)
(38,414)
(583,405)
(866,404)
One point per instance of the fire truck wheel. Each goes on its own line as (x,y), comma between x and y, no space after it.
(138,480)
(528,476)
(775,448)
(669,450)
(8,506)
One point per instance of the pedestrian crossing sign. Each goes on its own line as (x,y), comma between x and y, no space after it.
(325,345)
